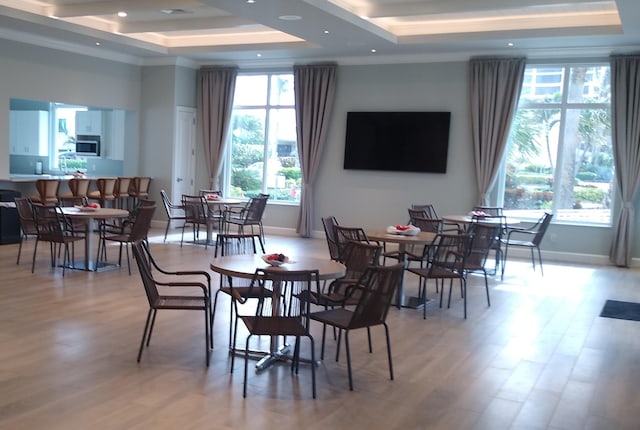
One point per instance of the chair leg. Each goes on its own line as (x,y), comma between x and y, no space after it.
(346,346)
(540,260)
(144,333)
(153,323)
(386,331)
(166,230)
(33,260)
(20,249)
(313,366)
(504,261)
(207,334)
(246,367)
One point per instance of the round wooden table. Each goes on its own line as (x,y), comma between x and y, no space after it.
(244,266)
(90,216)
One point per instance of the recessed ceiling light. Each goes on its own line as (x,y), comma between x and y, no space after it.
(122,14)
(258,55)
(289,17)
(251,1)
(510,44)
(374,51)
(97,43)
(326,31)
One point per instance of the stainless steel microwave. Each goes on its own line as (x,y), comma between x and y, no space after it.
(87,145)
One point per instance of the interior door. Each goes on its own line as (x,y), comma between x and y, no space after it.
(184,153)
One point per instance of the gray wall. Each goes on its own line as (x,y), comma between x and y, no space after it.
(371,199)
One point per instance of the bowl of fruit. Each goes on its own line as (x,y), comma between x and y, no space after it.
(405,230)
(91,207)
(275,259)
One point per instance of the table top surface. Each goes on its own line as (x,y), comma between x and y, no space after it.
(244,266)
(487,220)
(422,238)
(97,213)
(224,201)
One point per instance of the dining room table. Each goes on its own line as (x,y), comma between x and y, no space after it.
(244,266)
(404,243)
(218,205)
(90,216)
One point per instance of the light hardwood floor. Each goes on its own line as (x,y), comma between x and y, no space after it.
(539,358)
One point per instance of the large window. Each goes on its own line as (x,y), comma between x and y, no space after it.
(559,157)
(263,154)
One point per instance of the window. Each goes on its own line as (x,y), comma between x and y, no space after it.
(64,143)
(263,153)
(559,156)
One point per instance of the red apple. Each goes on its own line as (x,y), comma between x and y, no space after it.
(93,205)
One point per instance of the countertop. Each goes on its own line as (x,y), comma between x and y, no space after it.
(33,177)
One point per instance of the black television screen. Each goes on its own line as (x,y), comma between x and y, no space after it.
(397,141)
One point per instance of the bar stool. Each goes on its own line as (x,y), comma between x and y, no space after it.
(105,192)
(78,189)
(139,189)
(47,192)
(121,192)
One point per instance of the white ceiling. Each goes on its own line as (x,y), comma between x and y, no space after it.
(273,32)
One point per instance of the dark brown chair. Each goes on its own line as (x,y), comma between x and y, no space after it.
(377,285)
(174,212)
(447,263)
(426,211)
(54,227)
(280,311)
(139,230)
(27,222)
(533,235)
(157,301)
(196,214)
(248,216)
(233,244)
(329,224)
(345,234)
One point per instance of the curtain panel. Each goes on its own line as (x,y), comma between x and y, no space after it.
(216,86)
(495,85)
(625,135)
(314,95)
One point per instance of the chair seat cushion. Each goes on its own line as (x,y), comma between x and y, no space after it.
(289,326)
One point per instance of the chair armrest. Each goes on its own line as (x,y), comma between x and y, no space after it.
(185,284)
(519,231)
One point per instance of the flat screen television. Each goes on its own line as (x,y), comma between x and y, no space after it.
(397,141)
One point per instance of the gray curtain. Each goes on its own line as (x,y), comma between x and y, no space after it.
(625,116)
(495,85)
(216,86)
(314,91)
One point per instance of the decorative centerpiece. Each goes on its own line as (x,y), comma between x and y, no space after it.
(405,230)
(275,259)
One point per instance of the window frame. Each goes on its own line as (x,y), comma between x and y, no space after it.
(268,108)
(564,105)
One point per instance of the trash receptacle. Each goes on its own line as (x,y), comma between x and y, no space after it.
(9,220)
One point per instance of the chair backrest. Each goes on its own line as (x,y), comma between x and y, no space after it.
(379,286)
(142,256)
(254,210)
(204,192)
(122,186)
(140,185)
(427,224)
(484,238)
(429,211)
(345,235)
(79,187)
(358,256)
(142,222)
(106,187)
(280,296)
(48,190)
(329,224)
(51,223)
(25,213)
(235,244)
(450,252)
(195,208)
(542,225)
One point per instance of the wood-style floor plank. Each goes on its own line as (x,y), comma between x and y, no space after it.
(539,358)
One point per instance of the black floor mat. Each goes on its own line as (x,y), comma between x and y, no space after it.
(621,310)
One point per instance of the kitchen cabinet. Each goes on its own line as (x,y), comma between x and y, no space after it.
(89,122)
(29,132)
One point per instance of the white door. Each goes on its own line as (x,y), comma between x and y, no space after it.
(184,153)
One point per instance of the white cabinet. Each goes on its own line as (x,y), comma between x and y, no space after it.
(89,122)
(29,133)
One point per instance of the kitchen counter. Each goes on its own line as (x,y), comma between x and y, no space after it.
(33,177)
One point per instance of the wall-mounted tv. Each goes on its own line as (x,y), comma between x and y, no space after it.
(397,141)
